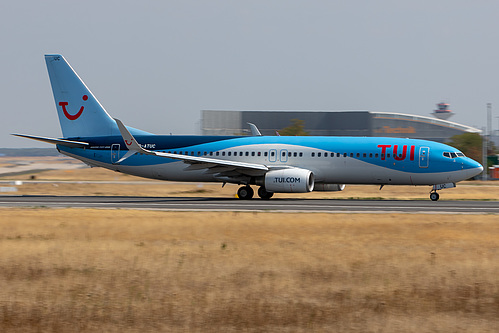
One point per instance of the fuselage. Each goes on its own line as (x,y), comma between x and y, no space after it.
(344,160)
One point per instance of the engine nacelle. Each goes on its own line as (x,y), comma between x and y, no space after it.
(289,180)
(328,187)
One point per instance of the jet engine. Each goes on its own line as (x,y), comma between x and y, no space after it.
(328,187)
(289,180)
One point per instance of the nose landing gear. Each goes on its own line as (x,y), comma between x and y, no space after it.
(434,196)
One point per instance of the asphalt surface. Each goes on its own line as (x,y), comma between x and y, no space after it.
(273,205)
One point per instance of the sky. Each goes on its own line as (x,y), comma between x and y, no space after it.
(155,64)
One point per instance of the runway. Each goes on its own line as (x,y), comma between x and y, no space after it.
(255,205)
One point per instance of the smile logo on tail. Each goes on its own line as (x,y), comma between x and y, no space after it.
(70,116)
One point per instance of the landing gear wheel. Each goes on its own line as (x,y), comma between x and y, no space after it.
(434,196)
(245,193)
(262,193)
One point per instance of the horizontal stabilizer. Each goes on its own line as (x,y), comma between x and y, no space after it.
(63,142)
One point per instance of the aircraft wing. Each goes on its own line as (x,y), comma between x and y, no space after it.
(197,162)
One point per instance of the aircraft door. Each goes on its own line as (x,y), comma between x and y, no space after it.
(115,152)
(424,157)
(272,155)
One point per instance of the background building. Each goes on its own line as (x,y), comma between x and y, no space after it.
(333,123)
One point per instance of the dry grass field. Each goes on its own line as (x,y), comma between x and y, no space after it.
(89,270)
(67,270)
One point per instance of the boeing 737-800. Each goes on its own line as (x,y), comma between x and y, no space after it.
(276,164)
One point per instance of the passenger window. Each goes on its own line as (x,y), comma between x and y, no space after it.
(376,155)
(240,153)
(318,154)
(205,153)
(289,154)
(301,154)
(344,154)
(229,153)
(388,155)
(283,154)
(253,153)
(217,153)
(364,155)
(259,154)
(211,153)
(351,154)
(313,154)
(358,154)
(325,154)
(371,155)
(247,153)
(295,154)
(223,153)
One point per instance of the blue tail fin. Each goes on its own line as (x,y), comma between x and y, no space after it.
(80,113)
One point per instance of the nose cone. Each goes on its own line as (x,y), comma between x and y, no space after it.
(472,168)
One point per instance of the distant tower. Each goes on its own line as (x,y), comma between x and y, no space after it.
(443,111)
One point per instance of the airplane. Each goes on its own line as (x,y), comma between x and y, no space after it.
(276,164)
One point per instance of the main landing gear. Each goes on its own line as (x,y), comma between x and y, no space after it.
(262,193)
(246,193)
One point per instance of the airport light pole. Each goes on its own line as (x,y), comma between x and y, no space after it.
(485,138)
(489,120)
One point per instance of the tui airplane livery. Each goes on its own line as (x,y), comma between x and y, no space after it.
(276,164)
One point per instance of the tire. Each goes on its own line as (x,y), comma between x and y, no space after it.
(245,193)
(262,193)
(434,196)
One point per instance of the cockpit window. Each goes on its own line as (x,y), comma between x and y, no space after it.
(453,155)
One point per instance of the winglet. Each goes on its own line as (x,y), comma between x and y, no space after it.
(254,130)
(130,142)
